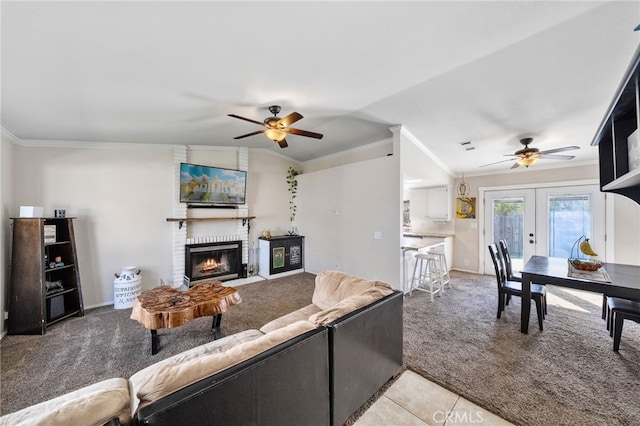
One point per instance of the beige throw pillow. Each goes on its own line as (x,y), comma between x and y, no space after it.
(92,405)
(331,287)
(93,409)
(349,304)
(301,314)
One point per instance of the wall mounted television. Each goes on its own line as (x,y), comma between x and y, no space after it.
(212,185)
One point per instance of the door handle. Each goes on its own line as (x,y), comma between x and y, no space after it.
(531,241)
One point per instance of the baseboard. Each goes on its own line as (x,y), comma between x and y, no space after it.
(99,305)
(243,281)
(466,270)
(282,274)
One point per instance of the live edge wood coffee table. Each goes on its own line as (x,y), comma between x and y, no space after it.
(167,307)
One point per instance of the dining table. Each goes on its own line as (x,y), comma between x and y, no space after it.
(614,280)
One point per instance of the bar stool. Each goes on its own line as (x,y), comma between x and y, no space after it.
(425,274)
(442,269)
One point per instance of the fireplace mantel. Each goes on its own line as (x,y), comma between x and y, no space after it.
(182,220)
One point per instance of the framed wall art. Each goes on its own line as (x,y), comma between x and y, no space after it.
(466,207)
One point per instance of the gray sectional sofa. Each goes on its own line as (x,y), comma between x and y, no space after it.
(314,366)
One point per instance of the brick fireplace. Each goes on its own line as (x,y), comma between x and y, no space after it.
(219,260)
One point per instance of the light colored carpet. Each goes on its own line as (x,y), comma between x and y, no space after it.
(568,374)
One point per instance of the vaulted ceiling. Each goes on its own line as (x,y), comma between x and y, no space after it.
(170,72)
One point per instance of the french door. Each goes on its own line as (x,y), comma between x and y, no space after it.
(544,221)
(510,215)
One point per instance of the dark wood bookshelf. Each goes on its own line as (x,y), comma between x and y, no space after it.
(31,308)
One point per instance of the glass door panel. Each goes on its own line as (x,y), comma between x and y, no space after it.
(566,214)
(510,215)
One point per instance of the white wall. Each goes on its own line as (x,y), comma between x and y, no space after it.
(339,211)
(121,196)
(626,224)
(6,196)
(268,192)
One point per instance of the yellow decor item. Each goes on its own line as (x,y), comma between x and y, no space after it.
(585,248)
(584,264)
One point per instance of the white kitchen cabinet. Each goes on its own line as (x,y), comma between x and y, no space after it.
(433,203)
(439,203)
(418,204)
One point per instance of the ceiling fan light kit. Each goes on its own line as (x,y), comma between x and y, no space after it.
(275,135)
(276,128)
(528,156)
(527,161)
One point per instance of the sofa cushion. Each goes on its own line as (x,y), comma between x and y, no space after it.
(301,314)
(333,286)
(174,376)
(349,304)
(213,347)
(92,405)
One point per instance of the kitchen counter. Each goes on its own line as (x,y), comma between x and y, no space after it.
(428,235)
(413,241)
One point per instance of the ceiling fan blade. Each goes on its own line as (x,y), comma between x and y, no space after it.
(250,134)
(290,119)
(565,148)
(515,165)
(247,119)
(303,133)
(283,143)
(498,162)
(558,157)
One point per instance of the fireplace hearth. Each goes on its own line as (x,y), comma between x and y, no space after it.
(220,260)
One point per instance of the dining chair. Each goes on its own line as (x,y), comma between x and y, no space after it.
(512,288)
(620,310)
(506,257)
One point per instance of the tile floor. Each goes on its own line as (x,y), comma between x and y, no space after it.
(414,400)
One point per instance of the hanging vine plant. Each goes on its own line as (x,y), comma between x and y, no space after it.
(293,191)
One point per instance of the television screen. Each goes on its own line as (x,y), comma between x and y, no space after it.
(212,185)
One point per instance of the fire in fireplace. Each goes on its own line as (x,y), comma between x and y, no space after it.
(221,260)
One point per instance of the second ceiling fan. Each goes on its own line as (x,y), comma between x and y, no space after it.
(528,156)
(276,128)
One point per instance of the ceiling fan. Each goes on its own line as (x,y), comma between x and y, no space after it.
(277,128)
(528,156)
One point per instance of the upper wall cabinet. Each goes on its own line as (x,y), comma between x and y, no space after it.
(432,203)
(617,138)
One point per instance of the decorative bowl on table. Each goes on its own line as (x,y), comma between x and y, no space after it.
(586,264)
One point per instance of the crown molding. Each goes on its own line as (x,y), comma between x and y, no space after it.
(51,143)
(9,137)
(414,140)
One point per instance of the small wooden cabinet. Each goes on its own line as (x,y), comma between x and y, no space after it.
(617,138)
(45,282)
(281,254)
